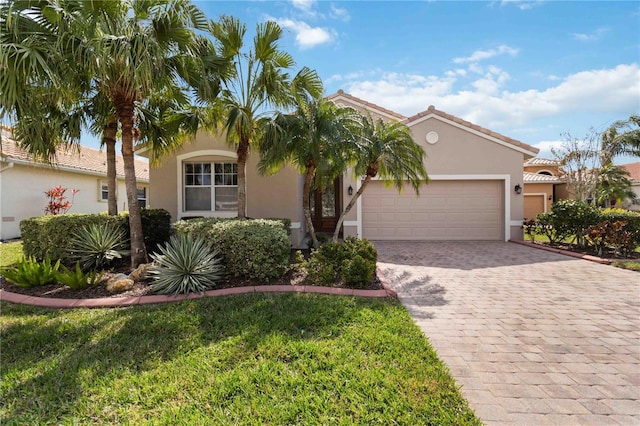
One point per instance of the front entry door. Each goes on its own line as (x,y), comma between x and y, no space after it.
(326,207)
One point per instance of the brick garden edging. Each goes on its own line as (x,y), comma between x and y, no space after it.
(565,252)
(112,302)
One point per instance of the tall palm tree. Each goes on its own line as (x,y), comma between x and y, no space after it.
(386,150)
(123,49)
(621,138)
(614,185)
(314,140)
(257,84)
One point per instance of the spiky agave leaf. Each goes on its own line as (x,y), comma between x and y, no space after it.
(95,246)
(185,265)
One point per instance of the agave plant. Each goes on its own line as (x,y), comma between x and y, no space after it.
(95,246)
(185,265)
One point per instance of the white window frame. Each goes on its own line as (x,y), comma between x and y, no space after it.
(103,188)
(219,156)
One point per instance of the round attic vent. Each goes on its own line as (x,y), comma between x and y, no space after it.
(432,137)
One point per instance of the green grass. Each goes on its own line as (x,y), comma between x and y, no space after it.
(10,253)
(634,265)
(250,359)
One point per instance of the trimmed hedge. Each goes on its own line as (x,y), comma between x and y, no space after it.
(352,261)
(587,224)
(49,236)
(251,248)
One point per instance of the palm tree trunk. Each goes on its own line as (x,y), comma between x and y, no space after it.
(243,153)
(306,209)
(109,140)
(347,209)
(125,114)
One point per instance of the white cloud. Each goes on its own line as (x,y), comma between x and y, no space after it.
(339,13)
(546,148)
(306,35)
(596,35)
(610,91)
(304,5)
(480,55)
(522,4)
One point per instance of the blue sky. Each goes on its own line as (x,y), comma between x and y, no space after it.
(531,70)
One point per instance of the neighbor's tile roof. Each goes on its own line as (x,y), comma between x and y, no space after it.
(537,161)
(432,110)
(633,169)
(88,160)
(529,177)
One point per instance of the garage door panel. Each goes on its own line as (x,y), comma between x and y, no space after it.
(445,210)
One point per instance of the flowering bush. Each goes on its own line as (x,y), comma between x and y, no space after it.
(58,202)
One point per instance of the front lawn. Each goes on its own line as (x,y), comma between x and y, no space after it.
(249,359)
(10,253)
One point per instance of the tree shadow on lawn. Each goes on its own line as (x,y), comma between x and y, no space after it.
(105,343)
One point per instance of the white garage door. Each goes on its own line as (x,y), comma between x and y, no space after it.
(445,210)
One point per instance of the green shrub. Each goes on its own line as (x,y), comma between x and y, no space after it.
(185,265)
(252,248)
(76,279)
(96,246)
(572,218)
(357,271)
(156,227)
(631,218)
(28,272)
(49,236)
(352,261)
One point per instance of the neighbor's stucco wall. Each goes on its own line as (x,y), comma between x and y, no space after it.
(538,198)
(275,196)
(22,189)
(536,169)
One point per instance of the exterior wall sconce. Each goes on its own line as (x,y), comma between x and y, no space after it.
(350,190)
(518,189)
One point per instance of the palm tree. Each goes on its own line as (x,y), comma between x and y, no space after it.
(613,186)
(386,150)
(257,84)
(124,50)
(621,138)
(315,140)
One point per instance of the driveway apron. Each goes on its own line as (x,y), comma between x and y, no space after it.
(532,337)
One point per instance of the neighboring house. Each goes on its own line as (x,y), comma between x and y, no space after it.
(634,175)
(23,183)
(471,195)
(543,185)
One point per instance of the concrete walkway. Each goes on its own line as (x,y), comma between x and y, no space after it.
(533,337)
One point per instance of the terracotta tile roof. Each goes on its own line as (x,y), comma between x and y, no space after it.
(341,93)
(529,177)
(633,169)
(537,161)
(88,160)
(434,111)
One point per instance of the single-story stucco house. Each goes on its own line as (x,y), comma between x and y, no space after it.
(634,175)
(23,183)
(543,185)
(474,193)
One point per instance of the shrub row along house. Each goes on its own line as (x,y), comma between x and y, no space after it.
(474,192)
(24,182)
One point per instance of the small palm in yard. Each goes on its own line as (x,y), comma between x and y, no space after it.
(185,265)
(96,246)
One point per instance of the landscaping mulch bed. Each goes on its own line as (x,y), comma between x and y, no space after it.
(608,253)
(144,288)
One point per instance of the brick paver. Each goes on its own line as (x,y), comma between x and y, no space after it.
(532,337)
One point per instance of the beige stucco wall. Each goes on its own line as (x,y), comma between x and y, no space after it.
(461,153)
(22,189)
(275,196)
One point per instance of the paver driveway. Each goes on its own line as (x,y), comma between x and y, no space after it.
(532,337)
